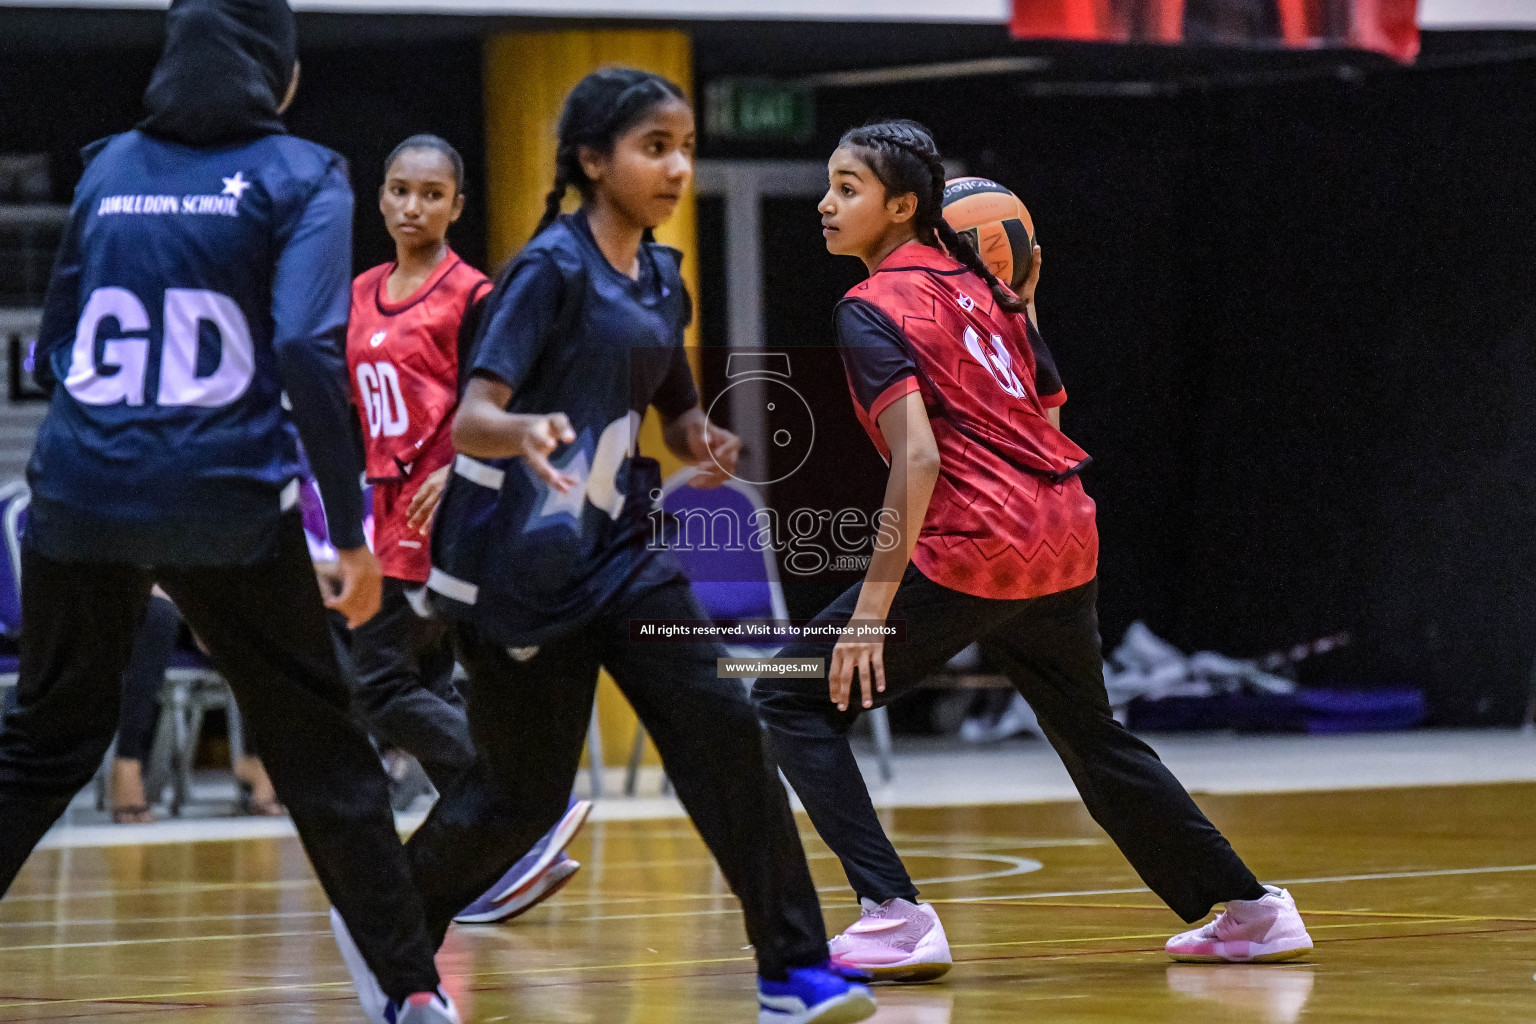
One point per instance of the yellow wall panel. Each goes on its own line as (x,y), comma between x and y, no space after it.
(527,75)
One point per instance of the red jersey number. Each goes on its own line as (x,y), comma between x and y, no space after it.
(378,384)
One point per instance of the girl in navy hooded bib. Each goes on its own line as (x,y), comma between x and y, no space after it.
(541,561)
(192,334)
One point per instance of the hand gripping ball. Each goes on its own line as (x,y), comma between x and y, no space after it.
(996,224)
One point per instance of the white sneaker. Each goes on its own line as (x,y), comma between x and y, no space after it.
(1248,931)
(375,1002)
(894,941)
(424,1008)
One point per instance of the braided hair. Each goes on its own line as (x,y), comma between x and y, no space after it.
(904,157)
(603,106)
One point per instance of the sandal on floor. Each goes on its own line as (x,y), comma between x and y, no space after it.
(251,807)
(133,814)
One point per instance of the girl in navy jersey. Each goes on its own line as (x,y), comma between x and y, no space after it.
(409,323)
(997,543)
(540,555)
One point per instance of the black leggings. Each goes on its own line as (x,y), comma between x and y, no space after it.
(145,676)
(266,628)
(529,721)
(1049,648)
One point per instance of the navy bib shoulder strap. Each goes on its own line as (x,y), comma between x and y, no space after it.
(669,262)
(573,285)
(573,291)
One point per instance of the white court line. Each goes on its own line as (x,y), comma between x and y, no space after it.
(163,939)
(1063,894)
(227,830)
(181,889)
(999,842)
(1016,866)
(1013,866)
(98,922)
(1405,874)
(1379,876)
(212,830)
(185,888)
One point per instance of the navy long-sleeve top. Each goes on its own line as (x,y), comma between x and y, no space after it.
(195,329)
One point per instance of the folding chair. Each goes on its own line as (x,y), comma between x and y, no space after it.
(731,581)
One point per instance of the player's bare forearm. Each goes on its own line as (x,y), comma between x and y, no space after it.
(677,432)
(483,429)
(1054,415)
(708,446)
(908,490)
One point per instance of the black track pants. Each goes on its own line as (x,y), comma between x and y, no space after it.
(1049,647)
(405,692)
(265,627)
(529,721)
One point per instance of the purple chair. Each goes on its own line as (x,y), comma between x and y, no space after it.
(14,499)
(732,581)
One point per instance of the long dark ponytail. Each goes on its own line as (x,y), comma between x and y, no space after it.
(904,157)
(603,106)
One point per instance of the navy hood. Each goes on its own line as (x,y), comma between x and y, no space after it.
(225,68)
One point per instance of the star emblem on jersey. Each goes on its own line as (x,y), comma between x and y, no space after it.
(565,507)
(235,186)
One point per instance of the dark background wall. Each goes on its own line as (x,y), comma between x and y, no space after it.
(1290,295)
(1295,316)
(360,100)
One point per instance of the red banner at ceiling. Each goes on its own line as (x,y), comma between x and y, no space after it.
(1388,26)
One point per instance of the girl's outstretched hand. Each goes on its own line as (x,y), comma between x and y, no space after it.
(711,448)
(539,436)
(716,451)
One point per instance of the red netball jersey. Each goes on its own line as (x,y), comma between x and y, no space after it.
(1009,517)
(403,361)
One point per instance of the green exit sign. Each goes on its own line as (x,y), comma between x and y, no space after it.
(759,109)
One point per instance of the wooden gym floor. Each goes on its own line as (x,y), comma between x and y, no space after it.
(1419,900)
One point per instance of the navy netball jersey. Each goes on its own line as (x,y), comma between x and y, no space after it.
(188,279)
(568,333)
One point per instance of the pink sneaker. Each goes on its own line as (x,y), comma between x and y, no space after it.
(894,941)
(1248,931)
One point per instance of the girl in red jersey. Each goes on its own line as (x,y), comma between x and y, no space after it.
(957,390)
(410,321)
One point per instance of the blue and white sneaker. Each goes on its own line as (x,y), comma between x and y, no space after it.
(423,1008)
(813,995)
(541,873)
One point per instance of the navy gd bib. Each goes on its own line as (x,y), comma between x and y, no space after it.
(512,555)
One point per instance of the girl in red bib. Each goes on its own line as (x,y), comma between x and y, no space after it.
(995,540)
(411,321)
(403,360)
